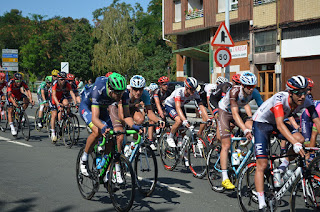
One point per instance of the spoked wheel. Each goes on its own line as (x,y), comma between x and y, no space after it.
(146,169)
(48,120)
(169,156)
(88,186)
(3,120)
(214,173)
(68,134)
(312,191)
(122,194)
(36,120)
(197,156)
(76,128)
(25,126)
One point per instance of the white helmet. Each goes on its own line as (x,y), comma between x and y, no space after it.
(191,82)
(248,78)
(221,80)
(153,86)
(137,81)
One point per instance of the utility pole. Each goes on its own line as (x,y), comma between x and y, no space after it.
(227,4)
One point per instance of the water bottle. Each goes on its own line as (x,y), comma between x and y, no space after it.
(277,180)
(127,150)
(158,130)
(287,175)
(235,158)
(180,140)
(100,163)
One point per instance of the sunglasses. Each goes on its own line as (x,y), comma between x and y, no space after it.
(250,86)
(18,81)
(137,89)
(192,89)
(118,93)
(309,89)
(300,93)
(164,84)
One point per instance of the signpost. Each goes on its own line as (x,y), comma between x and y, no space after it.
(10,60)
(222,56)
(65,67)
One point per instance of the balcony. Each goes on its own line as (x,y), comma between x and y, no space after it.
(192,14)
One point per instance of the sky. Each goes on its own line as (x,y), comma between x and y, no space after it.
(64,8)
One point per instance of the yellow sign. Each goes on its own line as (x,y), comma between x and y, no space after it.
(9,59)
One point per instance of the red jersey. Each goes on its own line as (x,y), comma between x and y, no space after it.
(60,91)
(14,90)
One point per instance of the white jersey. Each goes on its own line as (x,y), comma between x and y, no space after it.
(178,95)
(237,93)
(277,106)
(209,88)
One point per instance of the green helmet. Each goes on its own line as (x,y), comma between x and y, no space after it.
(117,82)
(48,79)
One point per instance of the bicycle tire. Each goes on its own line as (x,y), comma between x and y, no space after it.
(36,118)
(169,156)
(146,175)
(68,132)
(25,126)
(315,164)
(87,190)
(77,128)
(313,196)
(197,156)
(214,169)
(122,196)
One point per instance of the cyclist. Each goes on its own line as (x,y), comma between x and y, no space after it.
(99,110)
(159,95)
(43,97)
(59,91)
(70,78)
(3,84)
(136,94)
(54,74)
(238,96)
(14,94)
(175,110)
(270,117)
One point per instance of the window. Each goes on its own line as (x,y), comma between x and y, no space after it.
(221,5)
(265,41)
(259,2)
(195,9)
(177,11)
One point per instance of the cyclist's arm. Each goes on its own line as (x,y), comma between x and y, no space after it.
(247,108)
(236,116)
(158,105)
(283,129)
(95,116)
(293,122)
(54,96)
(73,97)
(209,105)
(204,113)
(43,95)
(151,114)
(12,99)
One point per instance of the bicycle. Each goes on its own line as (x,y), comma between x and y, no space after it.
(196,146)
(3,116)
(20,121)
(301,179)
(144,159)
(65,128)
(76,124)
(45,118)
(121,195)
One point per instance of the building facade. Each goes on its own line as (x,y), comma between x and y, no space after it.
(275,39)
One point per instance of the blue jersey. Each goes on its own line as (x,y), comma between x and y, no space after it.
(257,97)
(145,97)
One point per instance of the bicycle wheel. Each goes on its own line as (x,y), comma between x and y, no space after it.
(315,164)
(36,120)
(122,195)
(88,186)
(76,128)
(169,156)
(312,186)
(25,126)
(214,174)
(197,156)
(68,132)
(146,170)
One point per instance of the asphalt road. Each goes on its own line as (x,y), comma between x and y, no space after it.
(37,175)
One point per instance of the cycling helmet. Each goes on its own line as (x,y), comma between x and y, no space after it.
(54,72)
(2,76)
(62,75)
(236,78)
(117,82)
(70,77)
(248,78)
(310,82)
(108,74)
(163,79)
(48,79)
(191,83)
(297,83)
(17,76)
(221,80)
(153,86)
(137,81)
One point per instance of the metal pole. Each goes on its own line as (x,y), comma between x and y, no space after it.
(227,5)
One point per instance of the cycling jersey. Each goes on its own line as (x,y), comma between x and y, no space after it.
(145,98)
(14,90)
(210,88)
(218,93)
(178,95)
(237,93)
(278,106)
(61,92)
(257,97)
(306,124)
(43,86)
(162,96)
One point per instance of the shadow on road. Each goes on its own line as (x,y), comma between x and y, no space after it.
(19,205)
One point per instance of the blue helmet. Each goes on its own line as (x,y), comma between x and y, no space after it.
(297,82)
(248,78)
(191,82)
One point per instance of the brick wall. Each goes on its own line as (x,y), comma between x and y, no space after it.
(221,16)
(194,22)
(306,9)
(264,15)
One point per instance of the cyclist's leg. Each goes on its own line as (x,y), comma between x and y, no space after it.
(117,124)
(216,116)
(10,108)
(54,112)
(25,100)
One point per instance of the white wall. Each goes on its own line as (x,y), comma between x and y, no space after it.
(300,47)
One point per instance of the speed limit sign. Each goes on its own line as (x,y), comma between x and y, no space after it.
(222,56)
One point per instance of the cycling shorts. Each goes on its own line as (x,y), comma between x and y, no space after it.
(172,113)
(262,132)
(22,96)
(306,126)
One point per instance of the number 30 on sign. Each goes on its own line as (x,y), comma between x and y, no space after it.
(222,56)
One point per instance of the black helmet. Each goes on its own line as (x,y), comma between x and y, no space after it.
(62,75)
(17,76)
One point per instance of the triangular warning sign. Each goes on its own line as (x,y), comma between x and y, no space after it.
(222,37)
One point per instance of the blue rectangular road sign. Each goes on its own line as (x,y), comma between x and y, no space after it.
(9,55)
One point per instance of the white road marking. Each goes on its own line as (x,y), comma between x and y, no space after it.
(15,142)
